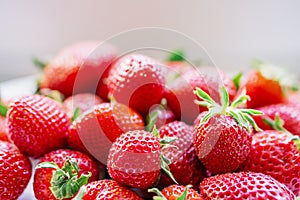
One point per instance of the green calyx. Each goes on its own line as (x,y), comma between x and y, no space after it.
(65,182)
(237,79)
(177,55)
(277,124)
(160,196)
(241,116)
(39,63)
(164,161)
(3,109)
(76,114)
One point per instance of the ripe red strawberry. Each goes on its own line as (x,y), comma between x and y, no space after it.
(175,192)
(83,102)
(3,129)
(274,153)
(222,138)
(183,158)
(78,68)
(95,130)
(15,171)
(290,114)
(37,125)
(134,159)
(244,185)
(261,90)
(106,189)
(180,94)
(136,80)
(61,169)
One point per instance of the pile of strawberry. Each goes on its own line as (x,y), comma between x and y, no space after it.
(132,127)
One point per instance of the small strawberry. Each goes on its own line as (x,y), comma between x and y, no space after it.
(78,68)
(136,80)
(37,125)
(15,171)
(135,159)
(105,189)
(180,96)
(183,157)
(261,90)
(289,113)
(275,153)
(83,102)
(244,185)
(176,192)
(96,129)
(222,139)
(61,173)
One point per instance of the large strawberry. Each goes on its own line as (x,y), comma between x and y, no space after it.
(78,68)
(223,136)
(261,90)
(82,102)
(289,113)
(15,171)
(96,129)
(37,125)
(180,94)
(182,156)
(244,185)
(275,153)
(136,80)
(135,159)
(105,189)
(61,173)
(176,192)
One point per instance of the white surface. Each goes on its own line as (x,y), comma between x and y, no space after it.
(233,31)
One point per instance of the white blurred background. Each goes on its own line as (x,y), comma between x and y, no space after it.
(233,32)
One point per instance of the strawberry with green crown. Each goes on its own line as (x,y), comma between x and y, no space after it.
(176,192)
(222,139)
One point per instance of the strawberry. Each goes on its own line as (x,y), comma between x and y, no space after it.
(176,192)
(135,159)
(78,68)
(61,173)
(136,80)
(15,171)
(180,94)
(3,129)
(96,129)
(289,113)
(159,116)
(37,125)
(222,139)
(106,189)
(83,102)
(244,185)
(183,158)
(261,90)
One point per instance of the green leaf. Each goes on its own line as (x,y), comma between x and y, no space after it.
(39,63)
(164,164)
(80,194)
(3,110)
(184,194)
(159,196)
(240,100)
(177,55)
(251,111)
(155,132)
(151,120)
(203,95)
(297,142)
(167,140)
(224,99)
(47,165)
(252,122)
(76,114)
(202,103)
(237,79)
(208,115)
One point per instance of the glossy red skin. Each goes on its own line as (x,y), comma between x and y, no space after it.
(37,125)
(180,96)
(102,89)
(275,154)
(83,101)
(97,129)
(183,158)
(134,159)
(15,171)
(136,80)
(290,114)
(42,176)
(77,68)
(244,185)
(262,91)
(3,129)
(172,192)
(108,190)
(221,144)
